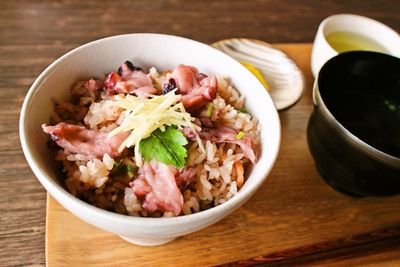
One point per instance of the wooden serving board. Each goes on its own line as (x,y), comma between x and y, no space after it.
(294,218)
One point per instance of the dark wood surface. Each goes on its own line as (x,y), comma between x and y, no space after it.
(34,33)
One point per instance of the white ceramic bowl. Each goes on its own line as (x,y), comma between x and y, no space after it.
(163,52)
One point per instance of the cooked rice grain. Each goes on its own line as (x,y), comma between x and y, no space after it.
(219,169)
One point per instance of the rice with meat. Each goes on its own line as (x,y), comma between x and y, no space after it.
(111,178)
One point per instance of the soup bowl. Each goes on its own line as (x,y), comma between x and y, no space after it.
(354,130)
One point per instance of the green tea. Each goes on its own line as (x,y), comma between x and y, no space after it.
(349,41)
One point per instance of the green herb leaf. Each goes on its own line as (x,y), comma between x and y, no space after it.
(117,165)
(130,168)
(167,147)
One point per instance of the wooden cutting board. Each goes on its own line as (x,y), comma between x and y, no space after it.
(294,218)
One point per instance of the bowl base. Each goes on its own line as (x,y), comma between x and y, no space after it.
(150,242)
(335,185)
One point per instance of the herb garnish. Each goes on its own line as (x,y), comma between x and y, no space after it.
(167,147)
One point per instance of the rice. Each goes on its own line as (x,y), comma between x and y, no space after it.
(218,168)
(229,94)
(132,203)
(102,112)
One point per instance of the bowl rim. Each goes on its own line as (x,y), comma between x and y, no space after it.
(360,144)
(57,190)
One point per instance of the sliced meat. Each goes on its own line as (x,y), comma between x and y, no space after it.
(110,83)
(156,184)
(185,78)
(196,88)
(93,85)
(187,175)
(199,97)
(86,87)
(140,187)
(78,139)
(145,91)
(206,122)
(131,81)
(137,79)
(222,134)
(189,133)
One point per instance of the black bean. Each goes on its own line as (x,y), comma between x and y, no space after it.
(130,66)
(54,137)
(119,71)
(52,145)
(168,87)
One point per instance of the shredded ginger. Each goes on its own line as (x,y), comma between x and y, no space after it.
(143,116)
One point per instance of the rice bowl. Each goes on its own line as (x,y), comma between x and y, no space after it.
(163,52)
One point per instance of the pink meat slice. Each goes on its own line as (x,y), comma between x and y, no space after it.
(87,86)
(140,186)
(184,177)
(129,82)
(223,134)
(189,133)
(196,88)
(186,78)
(93,85)
(156,183)
(78,139)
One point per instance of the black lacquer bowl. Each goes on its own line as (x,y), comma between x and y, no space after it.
(354,130)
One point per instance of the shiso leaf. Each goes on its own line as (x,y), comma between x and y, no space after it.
(165,146)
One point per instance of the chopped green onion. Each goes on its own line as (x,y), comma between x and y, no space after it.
(117,164)
(130,168)
(210,108)
(130,175)
(243,110)
(122,167)
(239,135)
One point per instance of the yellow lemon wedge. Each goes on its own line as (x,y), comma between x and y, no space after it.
(256,73)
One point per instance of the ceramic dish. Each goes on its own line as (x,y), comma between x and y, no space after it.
(353,131)
(284,78)
(163,52)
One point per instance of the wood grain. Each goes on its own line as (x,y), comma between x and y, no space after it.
(34,33)
(295,218)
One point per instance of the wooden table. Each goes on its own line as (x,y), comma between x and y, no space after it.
(34,33)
